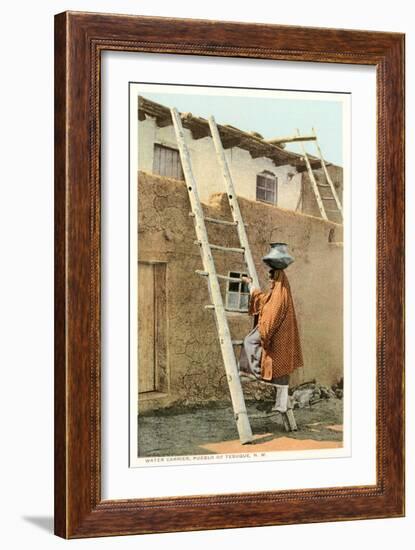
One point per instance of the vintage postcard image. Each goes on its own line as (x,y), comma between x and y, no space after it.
(239,274)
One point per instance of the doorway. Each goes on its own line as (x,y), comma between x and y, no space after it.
(152,327)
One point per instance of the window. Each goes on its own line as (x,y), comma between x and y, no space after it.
(237,293)
(166,162)
(266,187)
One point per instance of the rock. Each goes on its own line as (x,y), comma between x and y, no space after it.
(338,386)
(311,392)
(325,392)
(302,397)
(168,235)
(304,385)
(316,393)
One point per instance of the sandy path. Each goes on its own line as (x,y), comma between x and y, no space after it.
(270,445)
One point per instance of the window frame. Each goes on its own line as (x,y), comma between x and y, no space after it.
(178,164)
(239,293)
(269,177)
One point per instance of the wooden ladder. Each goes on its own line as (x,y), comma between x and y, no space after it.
(209,271)
(330,195)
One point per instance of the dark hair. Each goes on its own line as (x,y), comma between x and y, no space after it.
(273,272)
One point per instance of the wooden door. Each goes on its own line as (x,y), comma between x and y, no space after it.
(146,329)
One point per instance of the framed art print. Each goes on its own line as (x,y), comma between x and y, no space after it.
(178,376)
(229,275)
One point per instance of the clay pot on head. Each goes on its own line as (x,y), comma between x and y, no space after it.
(278,257)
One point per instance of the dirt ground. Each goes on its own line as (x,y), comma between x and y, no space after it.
(211,429)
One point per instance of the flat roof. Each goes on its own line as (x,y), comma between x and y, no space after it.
(230,136)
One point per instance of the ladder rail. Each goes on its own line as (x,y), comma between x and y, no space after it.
(313,181)
(233,202)
(328,177)
(225,341)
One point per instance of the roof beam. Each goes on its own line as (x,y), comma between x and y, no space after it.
(230,141)
(290,139)
(198,131)
(257,153)
(163,121)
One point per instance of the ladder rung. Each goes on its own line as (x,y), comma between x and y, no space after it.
(216,220)
(224,248)
(227,309)
(337,211)
(227,278)
(237,342)
(323,184)
(328,198)
(227,249)
(223,277)
(223,222)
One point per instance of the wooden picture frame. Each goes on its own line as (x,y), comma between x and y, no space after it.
(79,40)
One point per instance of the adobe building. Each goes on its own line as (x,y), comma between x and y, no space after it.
(180,360)
(261,170)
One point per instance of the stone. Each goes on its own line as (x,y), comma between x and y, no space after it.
(325,392)
(302,397)
(168,235)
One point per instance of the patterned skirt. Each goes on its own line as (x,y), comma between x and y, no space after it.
(250,358)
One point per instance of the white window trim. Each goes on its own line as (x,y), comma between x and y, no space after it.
(238,292)
(272,178)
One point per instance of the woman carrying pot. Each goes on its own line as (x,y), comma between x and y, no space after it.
(272,350)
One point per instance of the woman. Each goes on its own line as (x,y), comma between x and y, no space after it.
(272,350)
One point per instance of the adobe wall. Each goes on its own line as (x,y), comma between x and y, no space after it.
(166,233)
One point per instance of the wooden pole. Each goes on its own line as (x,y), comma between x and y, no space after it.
(290,139)
(233,201)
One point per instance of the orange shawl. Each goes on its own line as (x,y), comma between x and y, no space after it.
(278,329)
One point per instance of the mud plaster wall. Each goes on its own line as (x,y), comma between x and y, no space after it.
(166,233)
